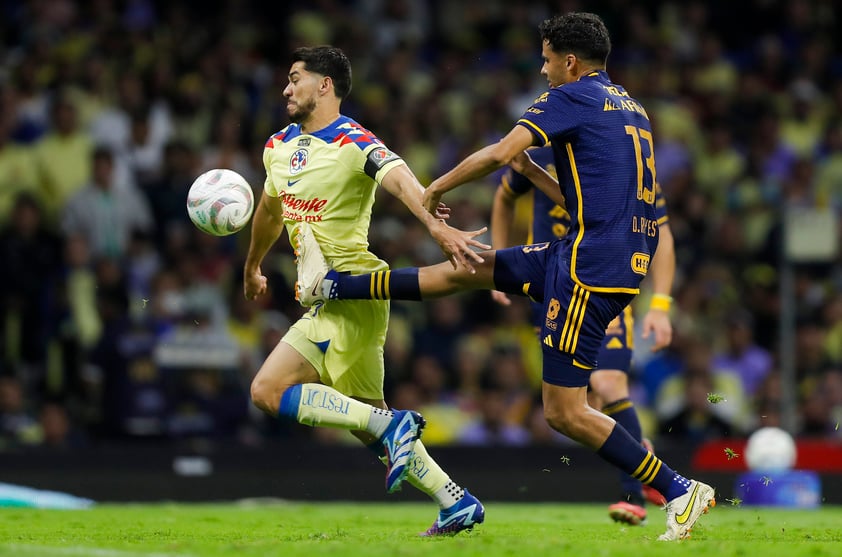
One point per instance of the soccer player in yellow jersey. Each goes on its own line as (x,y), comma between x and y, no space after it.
(321,174)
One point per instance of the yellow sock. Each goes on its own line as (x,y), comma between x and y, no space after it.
(428,477)
(321,405)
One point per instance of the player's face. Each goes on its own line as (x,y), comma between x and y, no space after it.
(301,93)
(556,66)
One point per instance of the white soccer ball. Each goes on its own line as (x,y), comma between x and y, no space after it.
(770,449)
(220,202)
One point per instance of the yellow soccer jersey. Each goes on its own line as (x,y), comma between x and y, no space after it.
(328,178)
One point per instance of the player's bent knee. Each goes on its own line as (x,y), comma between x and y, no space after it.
(266,394)
(558,419)
(258,396)
(568,421)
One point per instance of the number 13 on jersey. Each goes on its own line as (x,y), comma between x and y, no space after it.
(647,194)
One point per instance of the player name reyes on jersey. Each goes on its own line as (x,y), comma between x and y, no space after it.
(300,209)
(645,226)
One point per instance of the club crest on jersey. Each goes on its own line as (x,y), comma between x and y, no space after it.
(552,313)
(298,161)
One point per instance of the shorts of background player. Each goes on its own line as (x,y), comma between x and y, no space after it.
(344,340)
(618,344)
(574,319)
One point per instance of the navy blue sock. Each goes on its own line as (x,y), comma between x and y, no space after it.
(624,414)
(627,454)
(400,284)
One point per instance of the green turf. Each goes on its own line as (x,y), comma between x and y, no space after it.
(370,530)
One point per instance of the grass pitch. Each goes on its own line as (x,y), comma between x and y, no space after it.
(372,530)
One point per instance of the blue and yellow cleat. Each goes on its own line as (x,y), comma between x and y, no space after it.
(464,515)
(399,441)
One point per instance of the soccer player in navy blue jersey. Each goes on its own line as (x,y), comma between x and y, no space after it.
(609,385)
(603,151)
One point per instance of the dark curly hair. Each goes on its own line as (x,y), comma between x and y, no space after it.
(583,34)
(328,61)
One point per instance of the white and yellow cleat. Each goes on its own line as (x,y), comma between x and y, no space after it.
(312,267)
(684,511)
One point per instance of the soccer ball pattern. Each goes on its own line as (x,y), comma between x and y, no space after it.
(220,202)
(770,448)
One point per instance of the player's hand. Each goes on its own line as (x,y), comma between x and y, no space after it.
(254,284)
(501,298)
(432,199)
(442,211)
(521,163)
(458,245)
(657,323)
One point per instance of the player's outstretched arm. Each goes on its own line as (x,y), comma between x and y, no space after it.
(266,227)
(479,164)
(523,164)
(457,245)
(662,270)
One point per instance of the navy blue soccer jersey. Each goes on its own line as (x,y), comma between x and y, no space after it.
(549,220)
(605,163)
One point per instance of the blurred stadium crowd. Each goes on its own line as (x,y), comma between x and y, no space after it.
(118,319)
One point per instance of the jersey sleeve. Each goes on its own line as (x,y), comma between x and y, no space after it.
(268,184)
(515,183)
(551,116)
(379,160)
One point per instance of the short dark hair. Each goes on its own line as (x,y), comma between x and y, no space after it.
(328,61)
(584,34)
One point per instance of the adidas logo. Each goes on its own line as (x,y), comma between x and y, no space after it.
(614,343)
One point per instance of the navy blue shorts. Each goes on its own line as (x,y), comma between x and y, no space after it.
(573,319)
(617,346)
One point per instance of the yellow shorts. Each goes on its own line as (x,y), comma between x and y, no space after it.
(344,341)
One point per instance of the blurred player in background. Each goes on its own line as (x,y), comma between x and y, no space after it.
(609,383)
(321,174)
(603,152)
